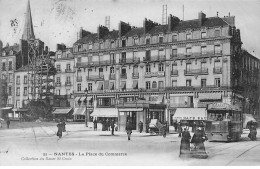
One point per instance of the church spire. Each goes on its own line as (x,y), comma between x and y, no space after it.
(28,25)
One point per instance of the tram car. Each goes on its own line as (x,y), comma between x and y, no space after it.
(224,122)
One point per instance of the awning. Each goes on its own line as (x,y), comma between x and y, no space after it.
(77,99)
(131,109)
(190,114)
(209,96)
(135,84)
(106,84)
(160,99)
(105,112)
(83,98)
(100,86)
(122,86)
(79,111)
(6,108)
(111,86)
(62,111)
(89,98)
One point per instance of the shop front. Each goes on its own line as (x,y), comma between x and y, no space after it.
(104,117)
(140,110)
(62,113)
(19,114)
(190,117)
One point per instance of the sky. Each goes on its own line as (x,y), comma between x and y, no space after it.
(58,21)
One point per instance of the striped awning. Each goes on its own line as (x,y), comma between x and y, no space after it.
(79,111)
(190,114)
(111,86)
(122,86)
(135,84)
(105,112)
(62,111)
(209,96)
(100,86)
(77,99)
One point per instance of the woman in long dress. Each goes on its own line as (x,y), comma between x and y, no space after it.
(198,140)
(60,127)
(185,144)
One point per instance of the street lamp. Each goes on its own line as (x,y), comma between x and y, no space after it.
(86,119)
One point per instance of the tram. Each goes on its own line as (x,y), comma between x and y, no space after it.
(224,122)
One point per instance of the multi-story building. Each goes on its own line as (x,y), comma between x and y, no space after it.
(182,64)
(64,80)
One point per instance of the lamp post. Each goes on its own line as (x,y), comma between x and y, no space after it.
(86,119)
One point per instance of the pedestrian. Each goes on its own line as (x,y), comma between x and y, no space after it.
(112,127)
(95,124)
(175,126)
(128,129)
(140,126)
(179,129)
(0,123)
(164,129)
(185,144)
(103,125)
(60,127)
(198,140)
(147,127)
(253,133)
(63,126)
(107,125)
(8,123)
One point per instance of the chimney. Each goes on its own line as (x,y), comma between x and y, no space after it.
(172,21)
(123,28)
(202,17)
(83,33)
(148,25)
(102,31)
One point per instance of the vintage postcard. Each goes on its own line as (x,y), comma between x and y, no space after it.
(129,83)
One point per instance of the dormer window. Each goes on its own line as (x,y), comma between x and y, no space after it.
(217,33)
(124,43)
(203,35)
(90,46)
(174,38)
(188,36)
(136,40)
(147,41)
(11,52)
(101,45)
(3,53)
(160,39)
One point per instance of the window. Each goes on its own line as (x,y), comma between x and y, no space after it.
(10,91)
(203,35)
(3,67)
(79,87)
(112,44)
(188,51)
(161,85)
(203,66)
(68,79)
(148,85)
(112,70)
(58,56)
(112,58)
(160,39)
(68,67)
(203,50)
(135,56)
(161,67)
(188,36)
(3,53)
(136,70)
(147,41)
(154,84)
(174,38)
(58,80)
(57,92)
(58,67)
(217,49)
(17,103)
(148,55)
(89,86)
(101,45)
(18,91)
(203,82)
(174,53)
(67,91)
(174,67)
(25,80)
(174,83)
(10,77)
(10,65)
(148,68)
(217,33)
(90,46)
(217,65)
(188,67)
(217,82)
(17,79)
(25,92)
(136,40)
(123,43)
(123,57)
(188,82)
(79,59)
(100,71)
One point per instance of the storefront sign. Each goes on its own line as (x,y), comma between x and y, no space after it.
(218,106)
(190,118)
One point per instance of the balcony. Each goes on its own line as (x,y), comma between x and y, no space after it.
(123,76)
(184,105)
(173,56)
(79,79)
(174,73)
(112,76)
(135,75)
(58,70)
(180,88)
(58,84)
(68,84)
(217,70)
(96,77)
(150,74)
(68,71)
(155,58)
(193,72)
